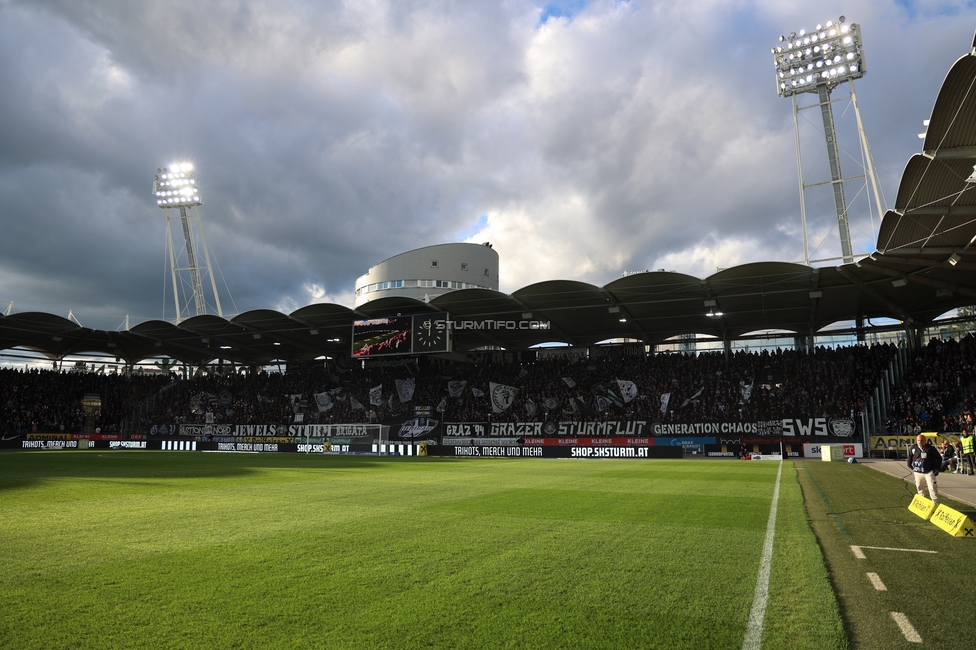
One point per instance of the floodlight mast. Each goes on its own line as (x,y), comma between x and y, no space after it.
(176,187)
(817,62)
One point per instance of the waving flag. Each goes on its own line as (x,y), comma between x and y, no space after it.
(376,395)
(628,390)
(502,396)
(405,389)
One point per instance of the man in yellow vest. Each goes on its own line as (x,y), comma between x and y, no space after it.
(967,441)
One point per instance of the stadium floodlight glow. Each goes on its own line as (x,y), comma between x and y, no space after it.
(817,62)
(831,54)
(176,186)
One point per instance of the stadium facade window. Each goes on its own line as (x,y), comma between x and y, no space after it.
(448,284)
(400,284)
(380,286)
(464,266)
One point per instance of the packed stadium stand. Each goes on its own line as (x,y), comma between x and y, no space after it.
(677,388)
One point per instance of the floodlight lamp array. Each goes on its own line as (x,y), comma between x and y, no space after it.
(176,186)
(829,55)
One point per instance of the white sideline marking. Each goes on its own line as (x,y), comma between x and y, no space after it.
(876,581)
(754,628)
(906,628)
(860,555)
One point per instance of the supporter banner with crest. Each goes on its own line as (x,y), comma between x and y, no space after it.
(376,395)
(502,396)
(306,430)
(323,401)
(628,390)
(416,429)
(801,427)
(405,389)
(796,427)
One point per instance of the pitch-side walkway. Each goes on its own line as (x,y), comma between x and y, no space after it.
(958,486)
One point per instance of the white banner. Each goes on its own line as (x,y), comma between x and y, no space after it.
(376,395)
(693,398)
(502,396)
(456,388)
(323,401)
(746,390)
(296,402)
(628,389)
(405,388)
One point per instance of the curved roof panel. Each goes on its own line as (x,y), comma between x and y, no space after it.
(392,305)
(578,312)
(658,305)
(953,123)
(471,309)
(935,210)
(762,295)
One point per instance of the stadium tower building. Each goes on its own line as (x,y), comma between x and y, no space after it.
(425,273)
(817,62)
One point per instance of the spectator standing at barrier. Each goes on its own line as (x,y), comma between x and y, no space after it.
(967,443)
(948,457)
(925,460)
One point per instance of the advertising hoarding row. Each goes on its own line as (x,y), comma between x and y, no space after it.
(791,436)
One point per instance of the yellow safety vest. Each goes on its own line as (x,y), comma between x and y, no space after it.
(967,444)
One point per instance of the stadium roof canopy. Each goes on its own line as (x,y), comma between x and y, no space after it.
(924,266)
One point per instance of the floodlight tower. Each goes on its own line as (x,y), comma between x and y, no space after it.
(176,187)
(817,62)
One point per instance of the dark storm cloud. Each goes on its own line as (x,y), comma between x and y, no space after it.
(582,139)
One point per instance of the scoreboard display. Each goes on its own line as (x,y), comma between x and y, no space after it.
(401,335)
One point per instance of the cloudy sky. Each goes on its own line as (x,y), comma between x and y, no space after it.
(583,139)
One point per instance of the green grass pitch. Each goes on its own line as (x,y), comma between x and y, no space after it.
(191,550)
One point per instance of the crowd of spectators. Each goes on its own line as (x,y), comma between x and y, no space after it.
(742,386)
(936,392)
(44,401)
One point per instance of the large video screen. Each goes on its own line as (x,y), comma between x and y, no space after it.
(419,334)
(382,336)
